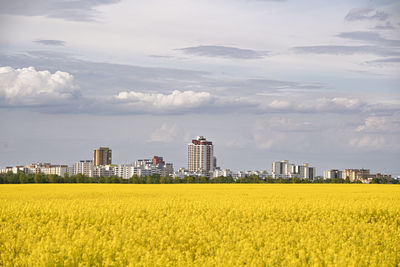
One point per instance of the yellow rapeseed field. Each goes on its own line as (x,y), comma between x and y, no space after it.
(199,225)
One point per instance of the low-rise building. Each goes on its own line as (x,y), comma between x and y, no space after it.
(355,174)
(15,169)
(224,173)
(59,170)
(103,171)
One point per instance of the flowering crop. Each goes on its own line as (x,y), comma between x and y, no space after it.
(202,225)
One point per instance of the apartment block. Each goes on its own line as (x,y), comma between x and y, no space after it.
(363,175)
(355,174)
(102,156)
(284,169)
(201,156)
(84,167)
(332,174)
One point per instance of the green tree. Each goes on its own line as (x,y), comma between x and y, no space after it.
(79,178)
(135,179)
(155,178)
(189,179)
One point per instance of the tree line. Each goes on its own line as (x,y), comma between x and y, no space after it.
(40,178)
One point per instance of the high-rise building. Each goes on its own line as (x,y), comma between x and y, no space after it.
(102,156)
(201,156)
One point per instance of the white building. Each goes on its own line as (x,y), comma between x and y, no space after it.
(103,171)
(284,169)
(84,167)
(306,172)
(144,167)
(331,174)
(124,171)
(243,174)
(143,162)
(59,170)
(201,156)
(224,173)
(280,169)
(15,169)
(182,172)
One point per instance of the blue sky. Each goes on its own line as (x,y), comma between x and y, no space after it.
(308,81)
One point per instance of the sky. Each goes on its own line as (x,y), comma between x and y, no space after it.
(265,80)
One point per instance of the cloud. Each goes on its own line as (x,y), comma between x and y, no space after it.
(368,142)
(50,42)
(386,26)
(165,134)
(160,56)
(180,102)
(105,79)
(373,124)
(377,133)
(176,100)
(345,50)
(385,60)
(314,105)
(371,37)
(224,52)
(365,13)
(337,103)
(380,124)
(262,87)
(114,89)
(29,87)
(383,47)
(77,10)
(279,104)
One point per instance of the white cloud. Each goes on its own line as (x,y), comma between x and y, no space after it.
(335,104)
(29,87)
(380,124)
(277,104)
(373,124)
(338,104)
(173,101)
(166,133)
(349,103)
(377,133)
(368,142)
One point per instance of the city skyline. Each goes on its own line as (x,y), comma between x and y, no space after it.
(264,80)
(200,162)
